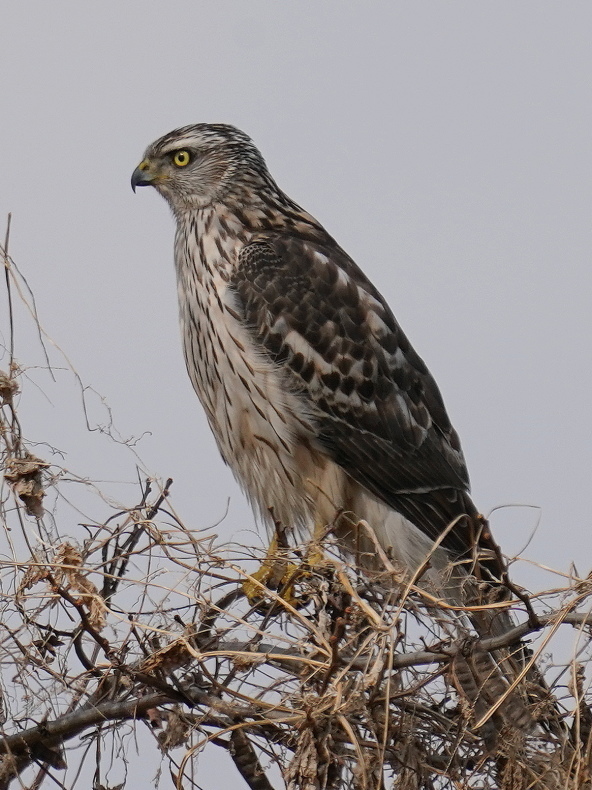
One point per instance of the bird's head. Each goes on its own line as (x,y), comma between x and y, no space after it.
(198,165)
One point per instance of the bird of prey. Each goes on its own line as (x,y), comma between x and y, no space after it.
(317,400)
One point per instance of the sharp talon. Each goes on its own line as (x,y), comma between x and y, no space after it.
(277,574)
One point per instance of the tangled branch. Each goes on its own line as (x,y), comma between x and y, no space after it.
(137,618)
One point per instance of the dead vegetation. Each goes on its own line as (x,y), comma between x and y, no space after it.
(133,630)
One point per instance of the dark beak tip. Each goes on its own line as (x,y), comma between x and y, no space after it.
(139,179)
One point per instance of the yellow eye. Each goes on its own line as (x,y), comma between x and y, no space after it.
(182,158)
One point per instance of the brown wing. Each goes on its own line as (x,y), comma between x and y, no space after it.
(378,410)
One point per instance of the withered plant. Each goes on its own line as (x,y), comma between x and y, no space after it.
(127,633)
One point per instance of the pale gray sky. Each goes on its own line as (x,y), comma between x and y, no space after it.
(446,145)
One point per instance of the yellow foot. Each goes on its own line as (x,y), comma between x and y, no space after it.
(275,573)
(279,574)
(315,557)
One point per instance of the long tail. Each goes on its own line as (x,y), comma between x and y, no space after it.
(505,688)
(511,689)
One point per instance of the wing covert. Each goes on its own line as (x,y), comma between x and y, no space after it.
(378,411)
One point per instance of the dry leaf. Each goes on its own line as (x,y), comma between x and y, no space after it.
(8,388)
(176,731)
(69,564)
(302,773)
(173,656)
(25,477)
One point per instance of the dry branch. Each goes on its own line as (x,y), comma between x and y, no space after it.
(355,686)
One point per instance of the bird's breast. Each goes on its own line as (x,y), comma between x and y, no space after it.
(260,426)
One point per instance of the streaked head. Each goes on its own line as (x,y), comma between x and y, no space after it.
(197,165)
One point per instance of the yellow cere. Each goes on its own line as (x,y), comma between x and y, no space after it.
(181,158)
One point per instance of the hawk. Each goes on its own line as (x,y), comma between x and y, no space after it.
(317,400)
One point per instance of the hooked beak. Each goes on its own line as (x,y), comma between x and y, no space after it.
(143,176)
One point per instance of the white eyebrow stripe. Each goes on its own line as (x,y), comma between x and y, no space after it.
(174,145)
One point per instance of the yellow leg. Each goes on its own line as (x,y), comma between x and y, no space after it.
(278,573)
(315,555)
(275,573)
